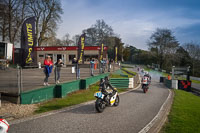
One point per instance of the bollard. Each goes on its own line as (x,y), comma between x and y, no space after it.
(73,69)
(39,65)
(174,84)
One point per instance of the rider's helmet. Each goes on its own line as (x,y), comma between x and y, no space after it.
(106,78)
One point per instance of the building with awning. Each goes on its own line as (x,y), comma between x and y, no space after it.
(67,53)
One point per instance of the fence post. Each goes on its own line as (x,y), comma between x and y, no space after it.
(18,79)
(0,99)
(113,66)
(21,80)
(99,67)
(55,74)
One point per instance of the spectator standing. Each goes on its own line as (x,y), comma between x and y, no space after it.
(75,62)
(101,66)
(48,66)
(169,77)
(92,67)
(58,66)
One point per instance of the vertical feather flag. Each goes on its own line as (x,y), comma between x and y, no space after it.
(28,40)
(81,46)
(116,50)
(101,52)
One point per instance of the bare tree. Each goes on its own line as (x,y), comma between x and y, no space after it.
(193,50)
(14,14)
(3,21)
(98,33)
(47,13)
(164,44)
(75,39)
(67,41)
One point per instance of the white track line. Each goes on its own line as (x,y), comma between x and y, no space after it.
(153,121)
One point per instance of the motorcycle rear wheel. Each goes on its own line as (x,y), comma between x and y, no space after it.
(145,90)
(99,105)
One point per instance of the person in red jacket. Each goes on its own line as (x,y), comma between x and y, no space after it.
(48,65)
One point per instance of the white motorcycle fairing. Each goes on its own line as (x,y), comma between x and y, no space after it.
(112,99)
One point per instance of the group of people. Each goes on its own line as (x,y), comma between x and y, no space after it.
(48,66)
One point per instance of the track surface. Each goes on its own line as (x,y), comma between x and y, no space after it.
(135,110)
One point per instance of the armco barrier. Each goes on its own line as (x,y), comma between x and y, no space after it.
(168,83)
(120,82)
(67,88)
(94,79)
(57,91)
(36,96)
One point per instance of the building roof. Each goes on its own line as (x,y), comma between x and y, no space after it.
(67,48)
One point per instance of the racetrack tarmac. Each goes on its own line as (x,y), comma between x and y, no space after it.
(134,112)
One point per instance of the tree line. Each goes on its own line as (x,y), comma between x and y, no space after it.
(166,52)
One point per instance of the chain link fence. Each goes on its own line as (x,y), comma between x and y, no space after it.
(16,80)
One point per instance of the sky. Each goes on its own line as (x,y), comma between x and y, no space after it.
(133,20)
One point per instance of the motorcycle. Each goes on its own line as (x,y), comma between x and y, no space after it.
(105,100)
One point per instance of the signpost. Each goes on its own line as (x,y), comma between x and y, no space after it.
(180,71)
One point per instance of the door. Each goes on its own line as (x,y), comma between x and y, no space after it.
(59,56)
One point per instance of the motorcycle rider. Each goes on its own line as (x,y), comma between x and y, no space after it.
(146,80)
(104,86)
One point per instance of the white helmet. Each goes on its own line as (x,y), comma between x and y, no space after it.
(146,73)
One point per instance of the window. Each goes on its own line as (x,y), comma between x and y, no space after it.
(89,57)
(2,50)
(71,57)
(41,55)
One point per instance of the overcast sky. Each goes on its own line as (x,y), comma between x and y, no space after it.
(134,20)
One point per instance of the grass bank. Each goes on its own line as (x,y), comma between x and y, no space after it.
(185,114)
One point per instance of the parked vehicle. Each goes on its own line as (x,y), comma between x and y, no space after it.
(6,54)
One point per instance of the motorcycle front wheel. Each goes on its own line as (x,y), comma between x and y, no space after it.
(116,101)
(99,105)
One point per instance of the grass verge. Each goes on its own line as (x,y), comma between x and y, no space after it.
(185,114)
(116,76)
(132,73)
(74,98)
(196,81)
(71,99)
